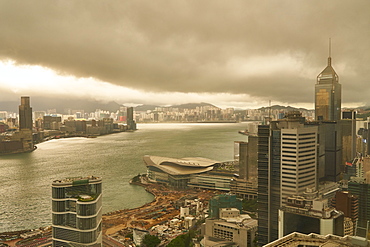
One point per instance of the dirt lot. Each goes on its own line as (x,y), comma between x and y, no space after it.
(164,207)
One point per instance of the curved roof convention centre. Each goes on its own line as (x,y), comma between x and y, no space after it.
(184,166)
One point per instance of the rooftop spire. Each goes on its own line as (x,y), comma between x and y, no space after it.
(329,58)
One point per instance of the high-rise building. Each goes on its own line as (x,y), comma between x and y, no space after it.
(330,165)
(246,155)
(328,95)
(77,212)
(245,185)
(328,100)
(347,203)
(361,189)
(25,114)
(287,161)
(349,135)
(298,161)
(268,192)
(131,124)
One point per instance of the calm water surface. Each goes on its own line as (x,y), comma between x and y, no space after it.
(25,192)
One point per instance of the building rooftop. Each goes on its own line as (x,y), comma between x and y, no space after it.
(328,75)
(327,213)
(76,180)
(313,239)
(184,166)
(242,221)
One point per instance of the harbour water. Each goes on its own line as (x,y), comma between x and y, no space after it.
(25,191)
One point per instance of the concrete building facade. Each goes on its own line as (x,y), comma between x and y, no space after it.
(25,114)
(230,229)
(298,161)
(286,165)
(310,216)
(313,239)
(347,203)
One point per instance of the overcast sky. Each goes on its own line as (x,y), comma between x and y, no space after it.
(228,53)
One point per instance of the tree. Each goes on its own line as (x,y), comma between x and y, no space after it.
(151,241)
(177,242)
(183,240)
(250,205)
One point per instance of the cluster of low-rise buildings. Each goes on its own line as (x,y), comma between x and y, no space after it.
(224,225)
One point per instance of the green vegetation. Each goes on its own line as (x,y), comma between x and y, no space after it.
(129,235)
(151,241)
(136,179)
(183,240)
(79,182)
(250,205)
(91,198)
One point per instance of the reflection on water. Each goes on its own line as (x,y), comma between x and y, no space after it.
(26,178)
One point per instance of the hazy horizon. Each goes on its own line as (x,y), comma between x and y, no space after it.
(44,104)
(239,54)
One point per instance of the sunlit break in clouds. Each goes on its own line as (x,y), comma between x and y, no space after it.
(37,80)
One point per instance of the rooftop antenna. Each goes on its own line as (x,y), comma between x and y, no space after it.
(329,59)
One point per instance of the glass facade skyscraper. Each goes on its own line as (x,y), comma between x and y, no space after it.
(328,93)
(77,212)
(268,194)
(286,166)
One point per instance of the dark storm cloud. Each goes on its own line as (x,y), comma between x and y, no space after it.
(187,46)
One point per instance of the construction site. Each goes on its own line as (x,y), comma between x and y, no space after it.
(165,207)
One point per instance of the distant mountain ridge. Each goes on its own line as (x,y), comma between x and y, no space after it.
(192,105)
(145,107)
(182,106)
(286,108)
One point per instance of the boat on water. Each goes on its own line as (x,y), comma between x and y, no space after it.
(243,132)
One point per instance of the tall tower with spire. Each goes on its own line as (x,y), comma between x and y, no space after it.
(328,94)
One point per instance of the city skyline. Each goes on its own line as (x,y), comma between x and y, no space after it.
(231,55)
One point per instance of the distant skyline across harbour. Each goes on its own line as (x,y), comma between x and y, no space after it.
(43,103)
(229,55)
(115,158)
